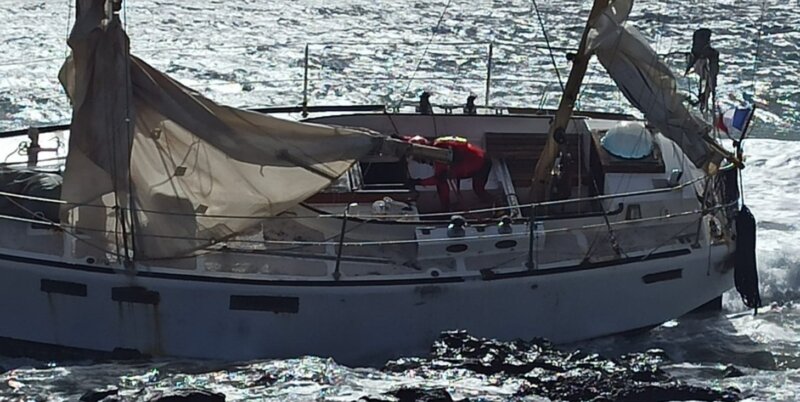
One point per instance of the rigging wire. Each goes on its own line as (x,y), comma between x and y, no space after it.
(547,41)
(756,57)
(425,51)
(128,212)
(66,34)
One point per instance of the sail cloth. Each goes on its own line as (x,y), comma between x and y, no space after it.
(198,172)
(96,79)
(648,83)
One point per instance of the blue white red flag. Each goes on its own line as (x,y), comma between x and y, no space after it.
(734,120)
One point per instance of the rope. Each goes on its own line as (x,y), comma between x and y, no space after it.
(39,161)
(549,48)
(430,40)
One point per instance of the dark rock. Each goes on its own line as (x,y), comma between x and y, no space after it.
(422,395)
(553,373)
(97,395)
(381,398)
(731,372)
(190,395)
(267,379)
(673,392)
(408,394)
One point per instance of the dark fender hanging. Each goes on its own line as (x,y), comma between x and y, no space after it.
(745,270)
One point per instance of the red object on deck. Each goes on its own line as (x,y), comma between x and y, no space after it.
(469,162)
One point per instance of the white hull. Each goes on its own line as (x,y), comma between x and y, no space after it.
(640,253)
(349,320)
(188,237)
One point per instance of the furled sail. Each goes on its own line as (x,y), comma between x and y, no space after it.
(649,84)
(194,172)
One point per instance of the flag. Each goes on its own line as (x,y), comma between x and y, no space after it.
(734,120)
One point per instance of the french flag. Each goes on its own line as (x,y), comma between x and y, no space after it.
(734,120)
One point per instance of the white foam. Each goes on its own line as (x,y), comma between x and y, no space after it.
(772,191)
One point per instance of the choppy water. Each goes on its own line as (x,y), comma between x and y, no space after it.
(250,52)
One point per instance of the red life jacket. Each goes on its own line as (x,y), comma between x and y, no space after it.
(468,160)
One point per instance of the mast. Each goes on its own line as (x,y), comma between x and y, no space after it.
(541,182)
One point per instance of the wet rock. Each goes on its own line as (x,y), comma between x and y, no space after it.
(97,395)
(381,398)
(555,374)
(422,395)
(189,395)
(267,379)
(763,360)
(673,392)
(410,394)
(731,372)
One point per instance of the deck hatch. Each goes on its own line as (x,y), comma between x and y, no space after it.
(63,287)
(663,276)
(275,304)
(135,294)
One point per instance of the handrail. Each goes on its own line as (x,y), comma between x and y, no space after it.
(385,217)
(341,243)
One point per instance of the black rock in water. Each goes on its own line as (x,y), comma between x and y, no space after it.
(190,395)
(731,372)
(408,394)
(560,375)
(669,392)
(422,395)
(97,396)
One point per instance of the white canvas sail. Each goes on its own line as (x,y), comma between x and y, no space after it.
(648,83)
(198,172)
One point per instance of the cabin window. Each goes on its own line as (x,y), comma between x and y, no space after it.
(384,175)
(275,304)
(63,287)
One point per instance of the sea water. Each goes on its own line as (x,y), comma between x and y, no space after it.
(251,53)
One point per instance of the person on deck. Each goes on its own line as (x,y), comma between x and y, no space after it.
(469,162)
(425,106)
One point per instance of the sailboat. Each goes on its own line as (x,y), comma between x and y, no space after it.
(186,228)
